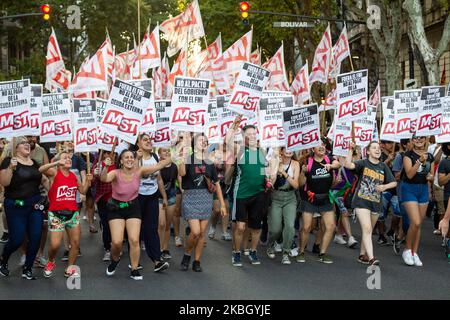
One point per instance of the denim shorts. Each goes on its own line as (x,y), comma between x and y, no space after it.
(411,192)
(391,200)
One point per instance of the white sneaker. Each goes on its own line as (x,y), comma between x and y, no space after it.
(23,258)
(178,242)
(417,261)
(278,247)
(339,239)
(294,252)
(211,232)
(107,256)
(246,252)
(227,236)
(352,242)
(285,259)
(408,257)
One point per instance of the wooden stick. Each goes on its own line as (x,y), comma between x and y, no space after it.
(14,146)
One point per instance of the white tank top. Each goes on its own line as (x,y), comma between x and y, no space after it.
(149,184)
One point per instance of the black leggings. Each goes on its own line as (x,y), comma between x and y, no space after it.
(106,233)
(149,227)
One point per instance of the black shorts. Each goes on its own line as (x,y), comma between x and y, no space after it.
(132,211)
(316,209)
(251,209)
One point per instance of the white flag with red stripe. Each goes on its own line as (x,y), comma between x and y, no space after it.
(109,55)
(375,97)
(56,74)
(148,54)
(330,102)
(341,49)
(300,87)
(93,73)
(179,68)
(197,63)
(278,79)
(161,79)
(123,63)
(185,27)
(321,62)
(255,57)
(214,52)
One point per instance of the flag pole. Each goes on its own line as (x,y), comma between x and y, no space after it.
(139,35)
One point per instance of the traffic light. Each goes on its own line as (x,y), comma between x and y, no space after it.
(46,10)
(244,6)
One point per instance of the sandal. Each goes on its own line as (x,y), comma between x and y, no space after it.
(363,259)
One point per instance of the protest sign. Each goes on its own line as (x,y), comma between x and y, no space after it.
(301,128)
(342,138)
(271,119)
(212,130)
(35,111)
(444,136)
(56,118)
(365,127)
(14,108)
(388,126)
(406,108)
(162,133)
(351,96)
(85,125)
(189,104)
(430,111)
(104,140)
(149,122)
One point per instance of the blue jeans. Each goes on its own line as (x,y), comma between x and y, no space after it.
(404,215)
(389,199)
(23,220)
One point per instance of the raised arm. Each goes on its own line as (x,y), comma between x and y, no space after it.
(83,185)
(105,176)
(147,170)
(349,159)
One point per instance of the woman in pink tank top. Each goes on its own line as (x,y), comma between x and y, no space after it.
(124,211)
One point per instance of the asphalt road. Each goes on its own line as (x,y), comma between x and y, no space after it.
(345,279)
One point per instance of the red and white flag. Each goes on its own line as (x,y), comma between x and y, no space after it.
(179,68)
(161,79)
(197,63)
(214,52)
(56,74)
(185,27)
(255,57)
(375,97)
(300,87)
(235,55)
(148,54)
(321,62)
(123,62)
(341,49)
(277,79)
(93,72)
(330,102)
(86,95)
(109,55)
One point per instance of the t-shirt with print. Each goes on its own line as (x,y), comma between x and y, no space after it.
(318,179)
(444,168)
(62,193)
(421,176)
(370,176)
(196,173)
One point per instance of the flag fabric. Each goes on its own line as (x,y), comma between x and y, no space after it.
(278,78)
(214,52)
(330,101)
(321,62)
(255,57)
(186,26)
(197,63)
(300,87)
(161,79)
(179,68)
(375,97)
(341,49)
(107,44)
(148,54)
(56,74)
(123,63)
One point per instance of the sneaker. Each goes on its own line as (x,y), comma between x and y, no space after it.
(178,242)
(212,232)
(65,256)
(4,271)
(48,270)
(437,232)
(161,266)
(139,267)
(285,259)
(278,247)
(253,256)
(71,273)
(382,241)
(196,266)
(107,256)
(112,268)
(316,248)
(40,262)
(374,262)
(27,273)
(185,262)
(339,239)
(325,259)
(23,258)
(417,261)
(301,257)
(408,257)
(352,242)
(246,252)
(4,238)
(391,235)
(270,252)
(236,259)
(136,275)
(226,236)
(293,252)
(363,259)
(396,245)
(166,255)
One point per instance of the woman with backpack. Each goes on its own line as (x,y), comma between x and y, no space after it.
(418,166)
(317,178)
(374,177)
(199,182)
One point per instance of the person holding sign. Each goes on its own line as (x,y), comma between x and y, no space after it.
(283,211)
(374,178)
(418,166)
(124,209)
(21,178)
(317,177)
(63,213)
(199,182)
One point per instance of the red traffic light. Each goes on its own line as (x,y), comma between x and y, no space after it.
(46,9)
(244,6)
